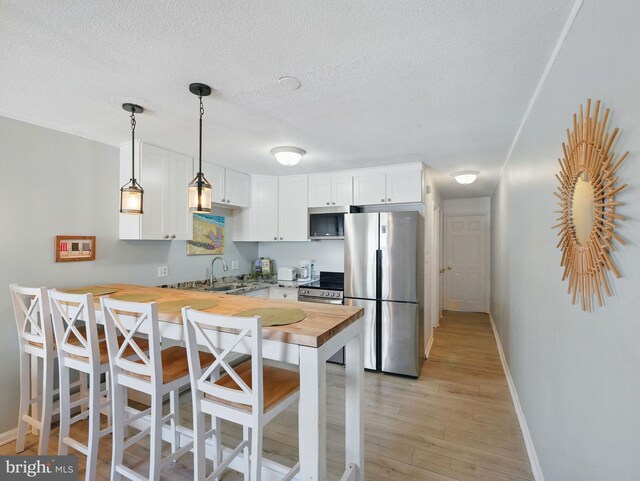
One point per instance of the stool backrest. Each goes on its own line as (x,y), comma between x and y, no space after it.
(33,319)
(123,322)
(68,311)
(204,330)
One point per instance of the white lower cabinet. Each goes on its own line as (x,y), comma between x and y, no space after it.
(283,293)
(164,176)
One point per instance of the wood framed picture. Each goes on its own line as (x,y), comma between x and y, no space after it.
(71,248)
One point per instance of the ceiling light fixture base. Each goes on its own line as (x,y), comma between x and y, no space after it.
(200,89)
(288,155)
(133,108)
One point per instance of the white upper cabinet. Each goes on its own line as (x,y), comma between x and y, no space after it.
(369,187)
(237,189)
(404,184)
(319,190)
(231,188)
(392,185)
(293,218)
(278,210)
(330,189)
(164,176)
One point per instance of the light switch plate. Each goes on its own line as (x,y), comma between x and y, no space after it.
(163,271)
(235,265)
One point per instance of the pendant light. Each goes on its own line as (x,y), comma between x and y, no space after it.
(131,193)
(200,188)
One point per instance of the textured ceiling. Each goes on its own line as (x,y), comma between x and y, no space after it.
(445,82)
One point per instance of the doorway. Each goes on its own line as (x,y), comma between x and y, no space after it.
(465,269)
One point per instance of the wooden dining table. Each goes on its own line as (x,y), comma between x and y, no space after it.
(306,344)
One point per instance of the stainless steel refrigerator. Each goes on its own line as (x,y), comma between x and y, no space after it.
(383,273)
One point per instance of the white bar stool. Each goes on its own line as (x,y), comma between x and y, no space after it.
(250,394)
(162,371)
(31,309)
(80,348)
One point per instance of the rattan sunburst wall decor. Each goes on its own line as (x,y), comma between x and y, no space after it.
(587,193)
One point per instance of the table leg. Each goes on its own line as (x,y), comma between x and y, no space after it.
(354,403)
(312,416)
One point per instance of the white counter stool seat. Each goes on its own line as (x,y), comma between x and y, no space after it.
(160,372)
(250,394)
(35,344)
(81,349)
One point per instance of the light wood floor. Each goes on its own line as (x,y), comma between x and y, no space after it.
(456,422)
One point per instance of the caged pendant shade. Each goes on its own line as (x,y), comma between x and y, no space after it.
(200,193)
(131,193)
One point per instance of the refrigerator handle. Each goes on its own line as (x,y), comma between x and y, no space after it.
(378,273)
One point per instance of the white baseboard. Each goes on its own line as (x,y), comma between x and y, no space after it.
(429,346)
(528,441)
(8,436)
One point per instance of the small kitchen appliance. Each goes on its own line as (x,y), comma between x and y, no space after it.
(304,269)
(287,273)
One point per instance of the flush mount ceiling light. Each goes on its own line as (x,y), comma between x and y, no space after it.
(465,177)
(131,193)
(288,155)
(200,188)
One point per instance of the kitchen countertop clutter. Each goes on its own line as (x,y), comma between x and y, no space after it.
(236,285)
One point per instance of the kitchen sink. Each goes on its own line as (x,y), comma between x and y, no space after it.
(226,288)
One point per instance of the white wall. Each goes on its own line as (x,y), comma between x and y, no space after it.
(328,255)
(53,183)
(576,373)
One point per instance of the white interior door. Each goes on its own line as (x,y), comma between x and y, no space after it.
(466,269)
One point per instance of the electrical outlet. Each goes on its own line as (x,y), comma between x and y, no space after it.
(163,271)
(235,265)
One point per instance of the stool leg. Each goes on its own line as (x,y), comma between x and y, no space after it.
(246,436)
(65,403)
(118,424)
(256,452)
(174,409)
(25,397)
(93,441)
(218,441)
(156,437)
(107,385)
(46,405)
(36,390)
(199,428)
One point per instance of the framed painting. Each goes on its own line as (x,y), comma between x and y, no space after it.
(72,248)
(208,235)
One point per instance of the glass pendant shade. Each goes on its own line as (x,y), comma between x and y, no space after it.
(131,198)
(200,199)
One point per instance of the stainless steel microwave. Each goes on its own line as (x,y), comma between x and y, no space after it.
(328,222)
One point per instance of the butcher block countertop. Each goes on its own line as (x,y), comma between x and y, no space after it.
(323,321)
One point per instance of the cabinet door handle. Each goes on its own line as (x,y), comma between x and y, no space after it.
(228,201)
(166,236)
(333,203)
(275,238)
(382,200)
(173,236)
(388,200)
(327,203)
(280,238)
(223,200)
(284,295)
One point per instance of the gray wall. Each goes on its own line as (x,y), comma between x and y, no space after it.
(53,183)
(576,373)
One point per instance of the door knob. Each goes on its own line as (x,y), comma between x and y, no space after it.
(448,268)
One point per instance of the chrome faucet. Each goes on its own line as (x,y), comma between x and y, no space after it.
(212,279)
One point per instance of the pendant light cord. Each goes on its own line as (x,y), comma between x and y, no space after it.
(200,162)
(133,146)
